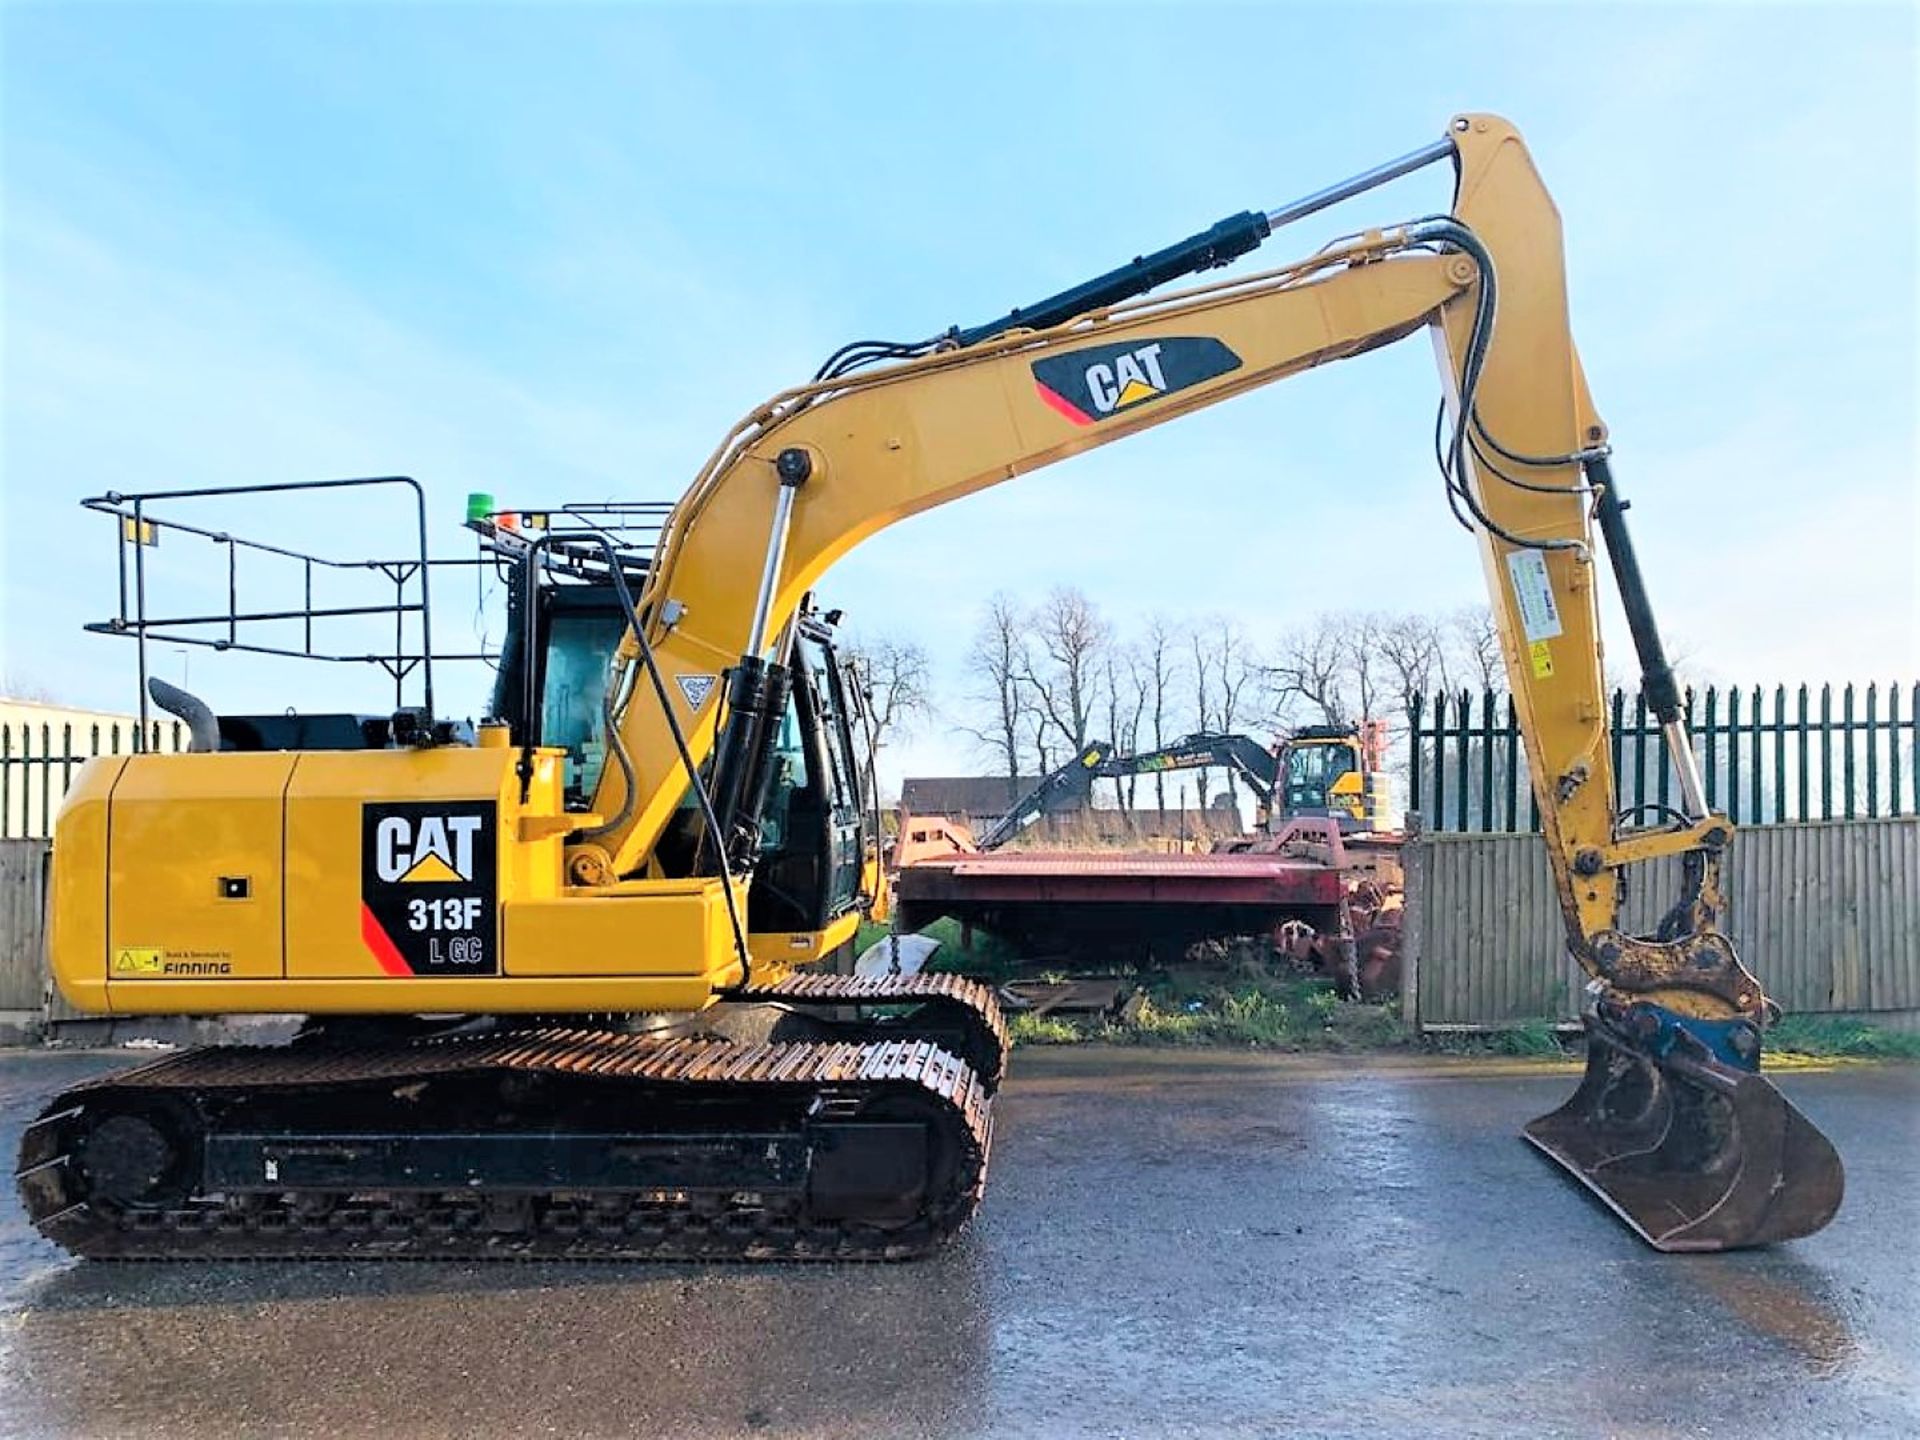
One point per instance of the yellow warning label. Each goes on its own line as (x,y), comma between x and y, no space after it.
(137,960)
(1542,660)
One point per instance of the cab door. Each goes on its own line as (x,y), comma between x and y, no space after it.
(846,807)
(810,836)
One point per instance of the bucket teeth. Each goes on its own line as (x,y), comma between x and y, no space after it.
(1691,1153)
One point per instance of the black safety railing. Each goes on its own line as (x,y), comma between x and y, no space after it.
(39,758)
(141,526)
(1766,755)
(579,538)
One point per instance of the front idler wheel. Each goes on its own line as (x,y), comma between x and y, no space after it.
(138,1159)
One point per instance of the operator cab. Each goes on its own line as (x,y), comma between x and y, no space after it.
(1313,765)
(575,629)
(808,869)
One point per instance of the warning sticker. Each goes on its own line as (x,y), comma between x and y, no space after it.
(137,960)
(151,962)
(1533,594)
(696,688)
(1542,655)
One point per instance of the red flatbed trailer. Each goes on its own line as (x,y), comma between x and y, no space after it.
(1118,905)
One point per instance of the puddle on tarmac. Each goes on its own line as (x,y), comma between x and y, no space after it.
(1783,1306)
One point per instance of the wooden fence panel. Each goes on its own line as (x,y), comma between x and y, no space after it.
(1826,913)
(22,968)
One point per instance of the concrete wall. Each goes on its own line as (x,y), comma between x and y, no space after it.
(1826,913)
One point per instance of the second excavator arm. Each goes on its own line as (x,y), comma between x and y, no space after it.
(1676,1020)
(1072,783)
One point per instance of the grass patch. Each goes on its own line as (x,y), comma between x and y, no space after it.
(1197,1009)
(1244,1001)
(1528,1038)
(1832,1036)
(1026,1029)
(1258,1009)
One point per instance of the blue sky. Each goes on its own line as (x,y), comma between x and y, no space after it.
(551,252)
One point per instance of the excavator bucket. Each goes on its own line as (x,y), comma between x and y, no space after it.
(1692,1153)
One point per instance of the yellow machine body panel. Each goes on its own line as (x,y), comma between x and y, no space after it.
(674,927)
(77,886)
(804,947)
(429,844)
(1348,793)
(375,881)
(194,880)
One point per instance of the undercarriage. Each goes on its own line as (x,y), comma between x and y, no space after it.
(516,1140)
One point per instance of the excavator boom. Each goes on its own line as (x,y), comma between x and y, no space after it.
(1526,468)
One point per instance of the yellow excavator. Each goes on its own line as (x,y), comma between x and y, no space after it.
(1316,770)
(529,970)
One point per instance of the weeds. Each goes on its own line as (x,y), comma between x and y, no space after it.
(1264,1015)
(1026,1029)
(1241,1001)
(1527,1038)
(1838,1037)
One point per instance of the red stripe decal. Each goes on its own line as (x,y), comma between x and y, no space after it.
(374,935)
(1064,406)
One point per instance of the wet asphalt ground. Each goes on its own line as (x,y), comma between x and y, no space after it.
(1172,1244)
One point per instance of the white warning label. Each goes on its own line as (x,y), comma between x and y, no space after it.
(696,688)
(1533,594)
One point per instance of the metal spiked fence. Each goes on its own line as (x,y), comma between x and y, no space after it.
(38,763)
(1767,756)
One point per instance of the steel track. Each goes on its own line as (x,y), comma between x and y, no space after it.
(640,1090)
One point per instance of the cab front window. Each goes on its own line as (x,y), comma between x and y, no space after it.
(1312,771)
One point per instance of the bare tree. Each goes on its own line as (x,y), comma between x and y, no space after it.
(997,661)
(1202,677)
(1126,695)
(1414,650)
(16,686)
(1159,664)
(1223,674)
(1037,725)
(1235,673)
(1235,670)
(896,678)
(1369,674)
(1072,640)
(1310,668)
(1477,641)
